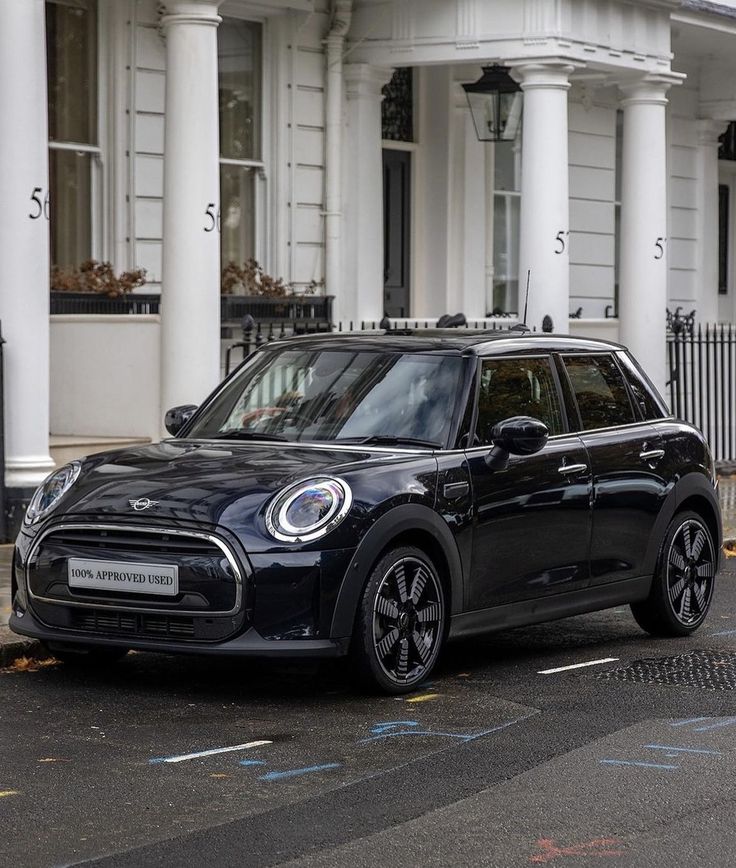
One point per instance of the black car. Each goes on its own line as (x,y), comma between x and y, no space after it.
(375,496)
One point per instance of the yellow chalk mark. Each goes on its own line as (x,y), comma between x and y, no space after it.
(4,793)
(219,775)
(425,697)
(53,759)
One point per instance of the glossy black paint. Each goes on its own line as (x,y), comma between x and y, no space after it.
(573,527)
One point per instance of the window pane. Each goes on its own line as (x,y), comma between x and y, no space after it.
(724,207)
(71,46)
(506,163)
(237,197)
(397,108)
(600,391)
(70,181)
(642,390)
(505,253)
(517,387)
(239,61)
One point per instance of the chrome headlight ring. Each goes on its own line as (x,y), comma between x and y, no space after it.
(309,509)
(50,491)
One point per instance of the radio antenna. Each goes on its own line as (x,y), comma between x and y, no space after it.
(526,302)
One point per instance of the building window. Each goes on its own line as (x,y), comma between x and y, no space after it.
(397,108)
(74,154)
(506,217)
(727,143)
(724,206)
(242,171)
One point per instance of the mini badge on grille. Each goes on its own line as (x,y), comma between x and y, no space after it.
(142,503)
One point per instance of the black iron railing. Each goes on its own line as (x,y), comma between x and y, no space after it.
(702,383)
(94,303)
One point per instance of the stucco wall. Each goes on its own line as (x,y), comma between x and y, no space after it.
(105,376)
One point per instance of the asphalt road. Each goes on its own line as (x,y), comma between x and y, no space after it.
(492,763)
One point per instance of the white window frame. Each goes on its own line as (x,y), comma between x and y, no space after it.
(727,301)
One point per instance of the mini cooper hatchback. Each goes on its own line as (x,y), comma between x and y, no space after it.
(376,496)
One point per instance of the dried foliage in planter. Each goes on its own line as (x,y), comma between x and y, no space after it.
(250,279)
(96,277)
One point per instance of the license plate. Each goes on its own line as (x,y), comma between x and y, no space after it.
(122,576)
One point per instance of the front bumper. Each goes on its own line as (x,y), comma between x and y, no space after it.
(248,644)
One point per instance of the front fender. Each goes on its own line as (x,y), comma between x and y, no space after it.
(402,519)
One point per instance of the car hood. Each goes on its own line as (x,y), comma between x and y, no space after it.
(226,484)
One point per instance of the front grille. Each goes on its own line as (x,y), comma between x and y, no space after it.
(99,621)
(95,540)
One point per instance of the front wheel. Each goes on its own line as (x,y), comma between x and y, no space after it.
(400,626)
(682,588)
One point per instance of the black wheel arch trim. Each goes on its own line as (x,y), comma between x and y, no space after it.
(391,526)
(691,485)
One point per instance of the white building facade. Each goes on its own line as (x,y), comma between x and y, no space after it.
(331,141)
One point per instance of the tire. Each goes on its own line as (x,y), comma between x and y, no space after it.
(401,622)
(87,656)
(682,588)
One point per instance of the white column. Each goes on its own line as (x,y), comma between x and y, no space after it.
(24,242)
(643,282)
(707,219)
(190,311)
(361,295)
(545,208)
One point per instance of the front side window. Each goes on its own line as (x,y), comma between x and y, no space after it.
(74,152)
(241,164)
(652,407)
(337,395)
(516,387)
(600,391)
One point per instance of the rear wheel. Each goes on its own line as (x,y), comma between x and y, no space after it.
(89,656)
(401,621)
(683,583)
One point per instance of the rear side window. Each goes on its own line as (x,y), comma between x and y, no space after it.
(600,391)
(650,404)
(517,387)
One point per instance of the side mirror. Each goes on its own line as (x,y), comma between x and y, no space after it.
(519,435)
(177,417)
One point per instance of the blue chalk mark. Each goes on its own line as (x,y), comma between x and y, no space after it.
(677,750)
(613,762)
(292,773)
(252,762)
(729,721)
(380,728)
(459,735)
(724,633)
(689,720)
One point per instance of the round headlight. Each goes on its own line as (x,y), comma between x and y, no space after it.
(309,510)
(51,490)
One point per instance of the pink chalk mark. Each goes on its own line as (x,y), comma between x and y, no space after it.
(600,847)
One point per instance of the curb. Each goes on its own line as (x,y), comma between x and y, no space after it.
(13,646)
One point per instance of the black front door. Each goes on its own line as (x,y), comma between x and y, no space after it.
(532,521)
(396,231)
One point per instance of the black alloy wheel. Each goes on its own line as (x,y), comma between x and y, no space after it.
(683,584)
(401,621)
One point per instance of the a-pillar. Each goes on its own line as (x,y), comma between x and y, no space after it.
(190,301)
(707,219)
(544,239)
(642,301)
(361,296)
(24,248)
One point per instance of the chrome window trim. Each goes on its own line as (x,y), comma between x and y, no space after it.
(122,605)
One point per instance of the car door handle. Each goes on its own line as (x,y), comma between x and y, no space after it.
(567,469)
(651,454)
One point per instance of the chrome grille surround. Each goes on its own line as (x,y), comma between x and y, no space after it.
(123,605)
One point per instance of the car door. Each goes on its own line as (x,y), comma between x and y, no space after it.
(625,453)
(531,521)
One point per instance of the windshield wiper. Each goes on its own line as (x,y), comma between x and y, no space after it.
(238,434)
(388,440)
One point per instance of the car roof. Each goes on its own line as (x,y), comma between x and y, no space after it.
(464,341)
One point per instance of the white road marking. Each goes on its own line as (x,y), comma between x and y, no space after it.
(578,665)
(188,756)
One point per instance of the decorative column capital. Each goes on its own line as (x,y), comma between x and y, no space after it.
(539,73)
(190,12)
(650,89)
(365,80)
(709,131)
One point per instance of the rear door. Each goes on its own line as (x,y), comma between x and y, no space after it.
(532,521)
(625,453)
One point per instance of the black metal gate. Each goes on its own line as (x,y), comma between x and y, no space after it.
(702,384)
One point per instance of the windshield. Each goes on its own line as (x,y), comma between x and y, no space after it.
(337,395)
